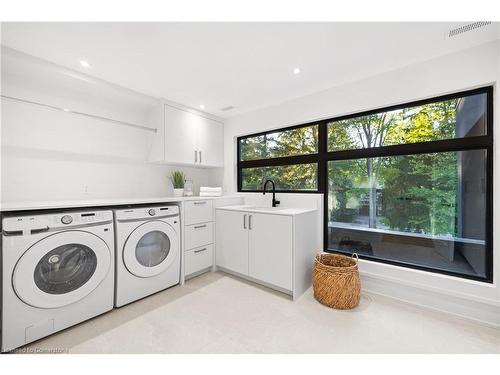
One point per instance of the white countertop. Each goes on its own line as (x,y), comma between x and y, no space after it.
(46,205)
(268,210)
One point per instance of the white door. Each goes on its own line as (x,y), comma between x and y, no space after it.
(61,269)
(211,143)
(181,136)
(270,249)
(231,241)
(151,249)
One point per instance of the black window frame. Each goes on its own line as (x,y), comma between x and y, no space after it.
(280,161)
(483,142)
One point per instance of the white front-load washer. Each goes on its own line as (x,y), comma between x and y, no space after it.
(147,251)
(57,271)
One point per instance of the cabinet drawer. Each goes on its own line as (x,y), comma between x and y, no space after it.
(198,259)
(198,212)
(198,235)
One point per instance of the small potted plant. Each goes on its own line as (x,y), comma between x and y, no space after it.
(178,178)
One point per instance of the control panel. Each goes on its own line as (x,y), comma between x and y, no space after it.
(44,222)
(146,212)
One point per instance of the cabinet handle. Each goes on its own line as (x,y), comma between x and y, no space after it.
(200,156)
(200,250)
(195,156)
(200,226)
(200,202)
(250,221)
(244,221)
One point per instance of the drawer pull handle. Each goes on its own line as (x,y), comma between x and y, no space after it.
(200,250)
(200,226)
(202,202)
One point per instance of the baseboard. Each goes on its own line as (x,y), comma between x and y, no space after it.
(479,312)
(256,281)
(198,273)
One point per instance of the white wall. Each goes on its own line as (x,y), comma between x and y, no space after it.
(466,69)
(50,155)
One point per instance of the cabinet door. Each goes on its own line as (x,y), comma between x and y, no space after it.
(231,241)
(196,212)
(211,142)
(181,136)
(270,249)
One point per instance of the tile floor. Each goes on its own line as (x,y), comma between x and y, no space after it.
(218,313)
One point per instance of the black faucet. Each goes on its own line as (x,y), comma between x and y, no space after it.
(275,202)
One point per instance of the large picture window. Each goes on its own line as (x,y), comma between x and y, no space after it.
(409,185)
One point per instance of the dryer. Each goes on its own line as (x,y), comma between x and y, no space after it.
(57,271)
(147,251)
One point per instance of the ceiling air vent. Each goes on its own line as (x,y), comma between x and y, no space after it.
(468,27)
(227,108)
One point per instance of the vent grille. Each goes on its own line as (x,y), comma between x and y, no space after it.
(466,28)
(227,108)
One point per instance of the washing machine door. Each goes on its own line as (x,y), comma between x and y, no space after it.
(61,269)
(151,249)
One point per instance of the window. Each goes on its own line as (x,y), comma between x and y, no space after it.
(440,120)
(409,185)
(413,210)
(289,157)
(298,141)
(295,177)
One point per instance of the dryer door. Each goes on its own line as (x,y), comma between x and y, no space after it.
(61,269)
(151,249)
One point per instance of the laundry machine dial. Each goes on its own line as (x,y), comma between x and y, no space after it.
(66,219)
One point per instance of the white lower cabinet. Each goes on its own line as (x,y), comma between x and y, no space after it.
(257,245)
(232,241)
(196,212)
(198,259)
(198,237)
(270,249)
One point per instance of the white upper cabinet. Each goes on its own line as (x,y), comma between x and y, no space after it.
(211,143)
(181,130)
(187,138)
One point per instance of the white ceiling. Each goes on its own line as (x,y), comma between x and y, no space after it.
(245,65)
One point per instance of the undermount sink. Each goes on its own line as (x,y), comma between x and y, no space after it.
(248,209)
(267,208)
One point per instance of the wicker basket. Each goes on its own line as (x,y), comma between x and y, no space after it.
(336,280)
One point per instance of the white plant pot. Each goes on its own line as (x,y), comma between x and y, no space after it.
(178,192)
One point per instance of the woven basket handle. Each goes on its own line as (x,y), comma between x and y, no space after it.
(355,255)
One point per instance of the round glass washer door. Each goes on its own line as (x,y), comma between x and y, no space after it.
(151,248)
(61,269)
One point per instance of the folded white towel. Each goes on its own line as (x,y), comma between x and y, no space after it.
(210,193)
(210,189)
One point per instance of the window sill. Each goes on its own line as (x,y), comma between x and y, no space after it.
(472,290)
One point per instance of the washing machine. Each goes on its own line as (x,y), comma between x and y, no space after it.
(147,251)
(57,271)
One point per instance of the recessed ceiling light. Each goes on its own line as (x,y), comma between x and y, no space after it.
(85,63)
(202,106)
(296,70)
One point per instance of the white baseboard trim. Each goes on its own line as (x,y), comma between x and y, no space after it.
(256,281)
(479,312)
